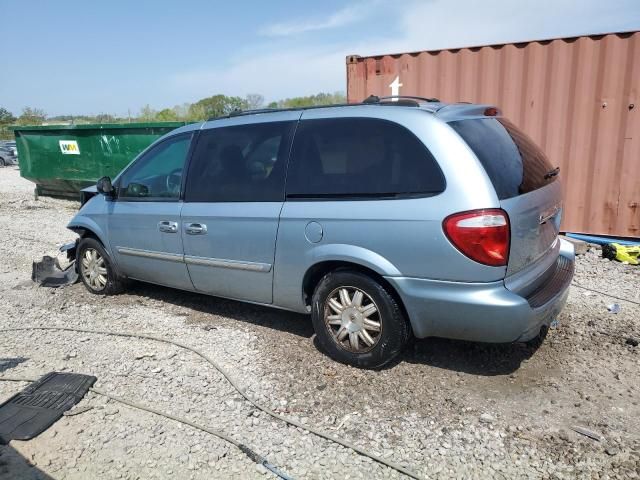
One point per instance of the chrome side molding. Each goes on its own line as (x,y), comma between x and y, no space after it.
(192,260)
(233,264)
(171,257)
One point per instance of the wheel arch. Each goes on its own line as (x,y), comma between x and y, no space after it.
(317,271)
(85,227)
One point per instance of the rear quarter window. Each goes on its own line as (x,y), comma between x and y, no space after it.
(360,158)
(513,162)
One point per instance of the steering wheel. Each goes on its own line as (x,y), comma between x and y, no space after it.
(174,181)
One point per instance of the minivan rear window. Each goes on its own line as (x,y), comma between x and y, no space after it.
(360,158)
(514,163)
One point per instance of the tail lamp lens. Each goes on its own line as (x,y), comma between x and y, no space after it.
(482,235)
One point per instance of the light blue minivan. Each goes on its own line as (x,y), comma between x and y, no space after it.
(395,217)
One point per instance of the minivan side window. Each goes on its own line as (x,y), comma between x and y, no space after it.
(513,162)
(157,175)
(244,163)
(360,158)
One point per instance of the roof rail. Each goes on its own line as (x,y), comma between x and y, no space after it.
(398,100)
(237,111)
(409,97)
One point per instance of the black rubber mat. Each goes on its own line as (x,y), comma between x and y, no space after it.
(33,410)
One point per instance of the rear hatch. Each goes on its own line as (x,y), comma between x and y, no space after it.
(526,184)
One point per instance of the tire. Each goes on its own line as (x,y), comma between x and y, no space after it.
(2,162)
(377,323)
(95,268)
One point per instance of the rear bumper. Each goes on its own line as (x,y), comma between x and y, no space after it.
(485,312)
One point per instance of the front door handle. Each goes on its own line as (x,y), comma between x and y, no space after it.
(168,227)
(195,228)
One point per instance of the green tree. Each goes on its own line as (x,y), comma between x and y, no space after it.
(254,101)
(216,106)
(313,100)
(167,115)
(147,113)
(196,112)
(6,117)
(104,118)
(32,116)
(182,111)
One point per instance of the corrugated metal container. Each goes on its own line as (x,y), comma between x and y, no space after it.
(576,97)
(63,159)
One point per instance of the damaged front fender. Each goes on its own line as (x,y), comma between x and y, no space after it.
(70,248)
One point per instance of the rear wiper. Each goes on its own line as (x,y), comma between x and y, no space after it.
(552,173)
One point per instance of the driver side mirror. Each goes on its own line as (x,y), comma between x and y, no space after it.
(105,187)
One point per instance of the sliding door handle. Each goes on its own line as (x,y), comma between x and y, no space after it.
(168,227)
(195,228)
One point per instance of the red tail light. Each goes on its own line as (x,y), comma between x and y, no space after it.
(482,235)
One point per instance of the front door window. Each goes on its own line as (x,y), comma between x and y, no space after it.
(158,174)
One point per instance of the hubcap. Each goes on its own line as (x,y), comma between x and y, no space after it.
(352,317)
(94,270)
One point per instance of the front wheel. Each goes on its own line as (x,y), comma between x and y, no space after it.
(357,321)
(96,269)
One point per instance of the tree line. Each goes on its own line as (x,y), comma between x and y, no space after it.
(214,106)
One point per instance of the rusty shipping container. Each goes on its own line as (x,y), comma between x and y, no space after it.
(578,98)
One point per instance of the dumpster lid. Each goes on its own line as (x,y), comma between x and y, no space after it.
(98,126)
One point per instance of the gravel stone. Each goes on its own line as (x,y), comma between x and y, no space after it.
(424,412)
(487,418)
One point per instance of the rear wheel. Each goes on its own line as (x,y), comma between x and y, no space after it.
(96,269)
(357,321)
(2,162)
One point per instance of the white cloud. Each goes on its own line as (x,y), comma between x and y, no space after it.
(289,69)
(276,75)
(440,24)
(341,18)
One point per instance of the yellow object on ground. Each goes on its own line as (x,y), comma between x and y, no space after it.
(622,253)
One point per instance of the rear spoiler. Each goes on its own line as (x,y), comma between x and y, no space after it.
(458,111)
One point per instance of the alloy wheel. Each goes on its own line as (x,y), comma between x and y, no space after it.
(353,319)
(94,269)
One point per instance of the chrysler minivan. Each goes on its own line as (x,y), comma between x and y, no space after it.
(386,219)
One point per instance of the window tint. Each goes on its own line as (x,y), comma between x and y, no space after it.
(515,165)
(157,174)
(360,157)
(245,163)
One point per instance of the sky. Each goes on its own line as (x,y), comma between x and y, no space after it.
(115,56)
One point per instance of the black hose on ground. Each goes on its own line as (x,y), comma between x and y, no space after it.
(606,294)
(237,387)
(254,456)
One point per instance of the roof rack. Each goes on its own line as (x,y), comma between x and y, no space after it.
(398,100)
(240,113)
(237,111)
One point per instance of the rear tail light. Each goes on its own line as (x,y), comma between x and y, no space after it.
(482,235)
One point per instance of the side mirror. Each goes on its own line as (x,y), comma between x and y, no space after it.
(105,187)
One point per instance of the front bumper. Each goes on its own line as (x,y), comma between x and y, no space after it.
(485,312)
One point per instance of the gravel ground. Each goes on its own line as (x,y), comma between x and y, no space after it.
(446,409)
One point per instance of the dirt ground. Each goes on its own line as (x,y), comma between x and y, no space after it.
(446,409)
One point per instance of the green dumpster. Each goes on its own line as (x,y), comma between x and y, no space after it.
(63,159)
